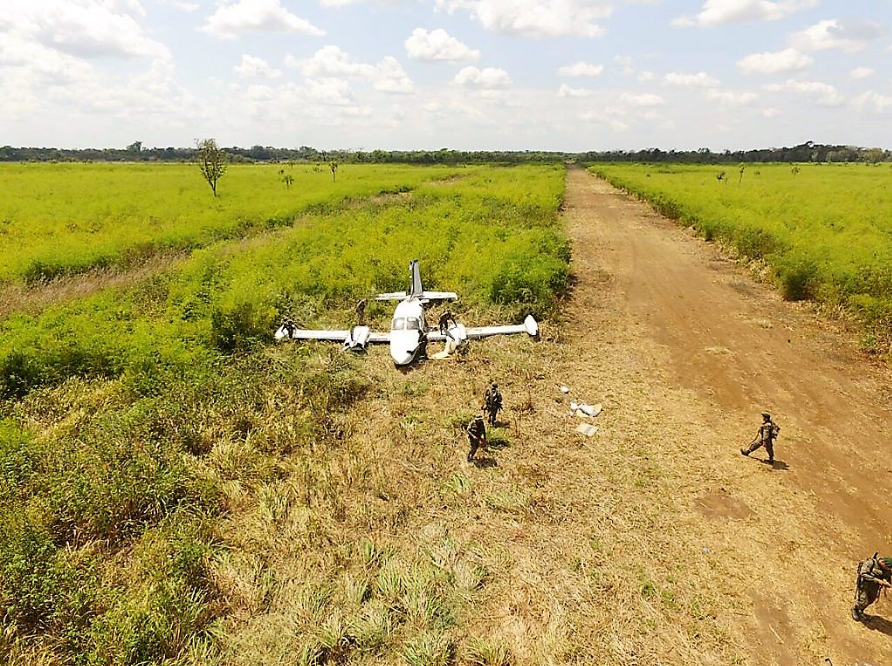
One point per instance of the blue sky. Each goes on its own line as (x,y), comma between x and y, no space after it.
(571,75)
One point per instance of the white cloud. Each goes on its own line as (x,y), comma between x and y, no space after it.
(581,69)
(82,28)
(390,77)
(332,62)
(862,73)
(820,93)
(182,5)
(731,98)
(721,12)
(489,77)
(256,15)
(848,35)
(642,99)
(698,80)
(645,76)
(438,45)
(626,65)
(873,101)
(536,18)
(787,60)
(329,91)
(567,91)
(252,67)
(611,118)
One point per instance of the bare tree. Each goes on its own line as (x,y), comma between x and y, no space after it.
(211,161)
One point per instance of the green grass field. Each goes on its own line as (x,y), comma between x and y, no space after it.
(57,219)
(137,422)
(825,230)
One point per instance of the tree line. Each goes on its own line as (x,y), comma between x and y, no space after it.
(136,152)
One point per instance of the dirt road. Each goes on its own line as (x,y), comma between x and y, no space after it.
(711,349)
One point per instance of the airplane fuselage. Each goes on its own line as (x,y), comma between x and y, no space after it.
(408,331)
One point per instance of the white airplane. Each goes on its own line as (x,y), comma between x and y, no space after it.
(409,332)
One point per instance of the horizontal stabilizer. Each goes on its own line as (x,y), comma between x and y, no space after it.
(392,296)
(439,295)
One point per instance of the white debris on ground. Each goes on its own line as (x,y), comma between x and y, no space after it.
(582,409)
(586,429)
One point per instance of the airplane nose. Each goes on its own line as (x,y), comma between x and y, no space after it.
(401,351)
(401,359)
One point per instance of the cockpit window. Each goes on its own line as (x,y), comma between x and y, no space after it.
(413,324)
(399,324)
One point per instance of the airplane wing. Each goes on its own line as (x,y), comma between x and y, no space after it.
(459,332)
(360,334)
(529,326)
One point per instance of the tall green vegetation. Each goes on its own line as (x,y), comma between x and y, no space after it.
(59,219)
(825,230)
(134,420)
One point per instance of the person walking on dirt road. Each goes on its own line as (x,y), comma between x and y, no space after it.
(768,432)
(476,435)
(873,574)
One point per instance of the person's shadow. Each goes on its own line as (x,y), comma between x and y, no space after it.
(778,465)
(877,623)
(484,463)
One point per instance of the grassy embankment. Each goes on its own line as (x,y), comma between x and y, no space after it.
(155,447)
(825,231)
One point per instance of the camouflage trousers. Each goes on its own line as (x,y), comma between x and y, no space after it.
(475,443)
(768,444)
(866,594)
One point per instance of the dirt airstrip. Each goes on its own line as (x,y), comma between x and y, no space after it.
(711,349)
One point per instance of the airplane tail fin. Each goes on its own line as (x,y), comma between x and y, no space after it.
(415,289)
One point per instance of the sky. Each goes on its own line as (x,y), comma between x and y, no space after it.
(564,75)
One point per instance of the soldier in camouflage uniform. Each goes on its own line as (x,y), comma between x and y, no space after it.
(873,574)
(476,435)
(289,327)
(768,432)
(443,323)
(492,402)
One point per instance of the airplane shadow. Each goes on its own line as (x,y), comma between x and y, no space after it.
(877,623)
(484,463)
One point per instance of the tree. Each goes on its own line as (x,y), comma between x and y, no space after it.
(334,169)
(211,161)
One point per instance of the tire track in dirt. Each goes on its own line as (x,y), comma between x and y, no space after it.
(734,349)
